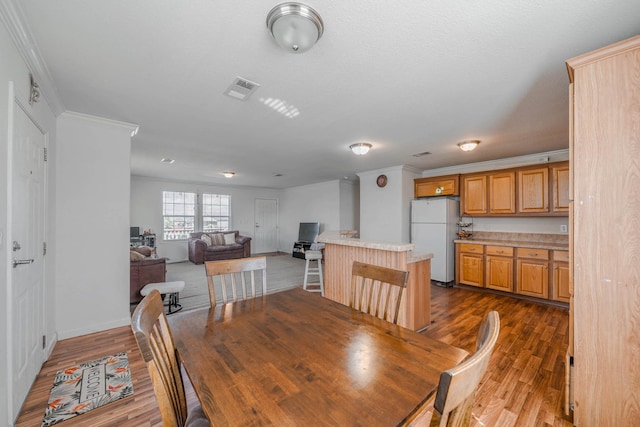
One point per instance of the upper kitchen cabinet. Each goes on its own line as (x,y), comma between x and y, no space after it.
(533,190)
(524,191)
(437,186)
(502,193)
(473,200)
(560,188)
(605,234)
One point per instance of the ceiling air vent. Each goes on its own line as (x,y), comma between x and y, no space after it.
(424,153)
(241,89)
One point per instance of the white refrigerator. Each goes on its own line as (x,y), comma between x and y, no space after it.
(433,230)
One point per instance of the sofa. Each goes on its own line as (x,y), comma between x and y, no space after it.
(145,268)
(218,245)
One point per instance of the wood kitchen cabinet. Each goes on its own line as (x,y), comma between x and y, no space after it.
(499,268)
(436,186)
(473,200)
(533,272)
(605,148)
(540,190)
(502,194)
(560,276)
(533,190)
(560,188)
(470,264)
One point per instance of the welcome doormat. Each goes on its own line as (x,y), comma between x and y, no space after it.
(87,386)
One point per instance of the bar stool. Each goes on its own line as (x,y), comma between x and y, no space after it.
(311,271)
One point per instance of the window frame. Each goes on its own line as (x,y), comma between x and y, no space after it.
(199,210)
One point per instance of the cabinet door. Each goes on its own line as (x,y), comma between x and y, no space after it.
(499,273)
(560,188)
(502,193)
(560,283)
(474,196)
(471,269)
(533,278)
(436,186)
(533,193)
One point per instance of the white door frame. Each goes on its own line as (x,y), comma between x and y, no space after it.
(17,100)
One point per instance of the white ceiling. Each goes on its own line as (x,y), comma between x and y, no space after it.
(409,76)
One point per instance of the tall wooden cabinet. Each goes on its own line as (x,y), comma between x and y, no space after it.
(605,156)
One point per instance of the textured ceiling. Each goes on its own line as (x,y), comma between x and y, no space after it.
(409,77)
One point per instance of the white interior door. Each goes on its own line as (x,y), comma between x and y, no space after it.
(266,228)
(26,307)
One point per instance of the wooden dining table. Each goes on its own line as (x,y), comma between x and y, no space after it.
(297,358)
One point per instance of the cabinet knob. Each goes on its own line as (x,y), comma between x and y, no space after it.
(530,254)
(500,252)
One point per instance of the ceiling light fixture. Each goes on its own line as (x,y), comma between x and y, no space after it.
(295,26)
(228,174)
(468,145)
(361,148)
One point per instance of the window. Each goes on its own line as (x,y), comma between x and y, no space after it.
(215,212)
(179,212)
(183,214)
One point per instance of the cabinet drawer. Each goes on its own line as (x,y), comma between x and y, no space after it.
(472,248)
(500,250)
(561,256)
(533,253)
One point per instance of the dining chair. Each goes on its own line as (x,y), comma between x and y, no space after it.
(152,333)
(234,273)
(457,386)
(377,290)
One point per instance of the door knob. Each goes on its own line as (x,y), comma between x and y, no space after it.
(17,262)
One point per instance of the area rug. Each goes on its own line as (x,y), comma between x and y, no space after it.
(87,386)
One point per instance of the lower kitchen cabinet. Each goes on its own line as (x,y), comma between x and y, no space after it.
(533,272)
(499,268)
(470,264)
(560,277)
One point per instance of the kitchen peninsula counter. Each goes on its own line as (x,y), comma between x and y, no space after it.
(341,252)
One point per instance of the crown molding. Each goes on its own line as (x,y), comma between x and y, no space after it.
(131,127)
(509,162)
(14,21)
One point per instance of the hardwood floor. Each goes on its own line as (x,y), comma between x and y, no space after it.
(523,386)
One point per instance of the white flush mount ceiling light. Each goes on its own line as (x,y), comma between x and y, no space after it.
(468,145)
(361,148)
(295,26)
(228,174)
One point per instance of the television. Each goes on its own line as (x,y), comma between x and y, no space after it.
(308,231)
(134,232)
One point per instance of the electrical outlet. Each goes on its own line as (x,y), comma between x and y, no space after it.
(563,228)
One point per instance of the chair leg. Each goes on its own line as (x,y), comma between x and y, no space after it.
(306,274)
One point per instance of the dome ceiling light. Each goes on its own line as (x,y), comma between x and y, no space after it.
(295,26)
(468,145)
(361,148)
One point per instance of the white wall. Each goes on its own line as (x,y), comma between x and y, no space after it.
(14,69)
(92,210)
(308,203)
(146,209)
(384,212)
(349,205)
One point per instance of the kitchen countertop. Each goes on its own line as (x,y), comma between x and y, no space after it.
(337,239)
(520,240)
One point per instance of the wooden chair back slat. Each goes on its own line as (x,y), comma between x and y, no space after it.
(377,290)
(233,273)
(152,333)
(457,386)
